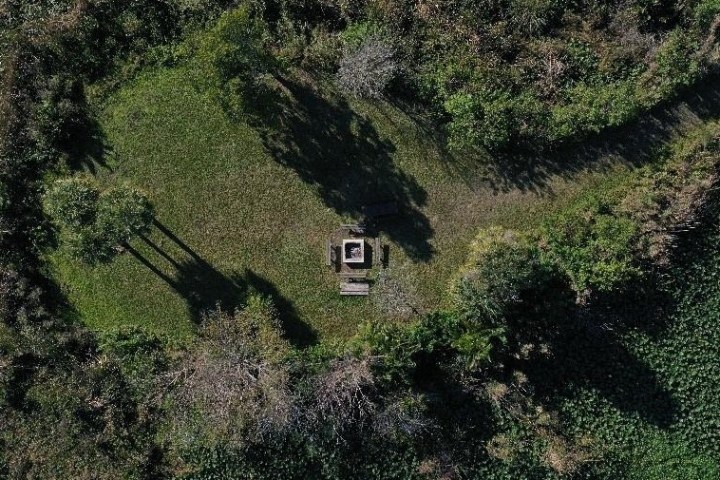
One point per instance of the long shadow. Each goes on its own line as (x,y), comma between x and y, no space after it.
(89,151)
(344,158)
(633,143)
(201,285)
(301,334)
(204,287)
(598,360)
(588,350)
(81,137)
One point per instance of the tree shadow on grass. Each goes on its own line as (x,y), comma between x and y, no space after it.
(82,139)
(89,151)
(343,157)
(204,287)
(301,334)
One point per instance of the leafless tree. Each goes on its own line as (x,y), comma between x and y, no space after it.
(344,396)
(234,385)
(395,295)
(367,70)
(552,74)
(625,25)
(404,416)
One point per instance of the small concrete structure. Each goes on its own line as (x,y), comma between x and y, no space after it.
(355,289)
(353,250)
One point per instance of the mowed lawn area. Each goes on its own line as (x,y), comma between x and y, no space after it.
(243,208)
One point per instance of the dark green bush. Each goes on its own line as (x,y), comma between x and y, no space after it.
(595,247)
(94,223)
(123,212)
(706,12)
(439,340)
(477,123)
(593,108)
(234,61)
(506,277)
(677,65)
(73,201)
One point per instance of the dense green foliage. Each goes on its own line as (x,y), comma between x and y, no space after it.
(596,248)
(234,61)
(527,72)
(504,267)
(95,224)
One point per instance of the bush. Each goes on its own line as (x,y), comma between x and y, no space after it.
(235,384)
(593,108)
(60,116)
(479,123)
(73,201)
(440,340)
(395,294)
(367,70)
(677,65)
(323,51)
(705,13)
(503,268)
(595,247)
(234,60)
(122,213)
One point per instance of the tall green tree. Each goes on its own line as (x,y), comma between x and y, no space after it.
(94,223)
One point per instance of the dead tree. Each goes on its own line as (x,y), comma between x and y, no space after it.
(367,70)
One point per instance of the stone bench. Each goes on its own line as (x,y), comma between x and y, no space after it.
(355,288)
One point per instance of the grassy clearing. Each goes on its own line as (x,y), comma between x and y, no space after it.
(240,209)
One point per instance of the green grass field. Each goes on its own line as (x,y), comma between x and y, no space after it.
(242,208)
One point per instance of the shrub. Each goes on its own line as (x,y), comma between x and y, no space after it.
(503,269)
(234,60)
(595,247)
(476,122)
(234,384)
(345,396)
(60,115)
(73,201)
(122,213)
(366,71)
(592,108)
(438,340)
(358,33)
(141,355)
(658,14)
(705,13)
(676,65)
(323,51)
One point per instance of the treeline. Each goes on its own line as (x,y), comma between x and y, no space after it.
(65,407)
(502,74)
(495,76)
